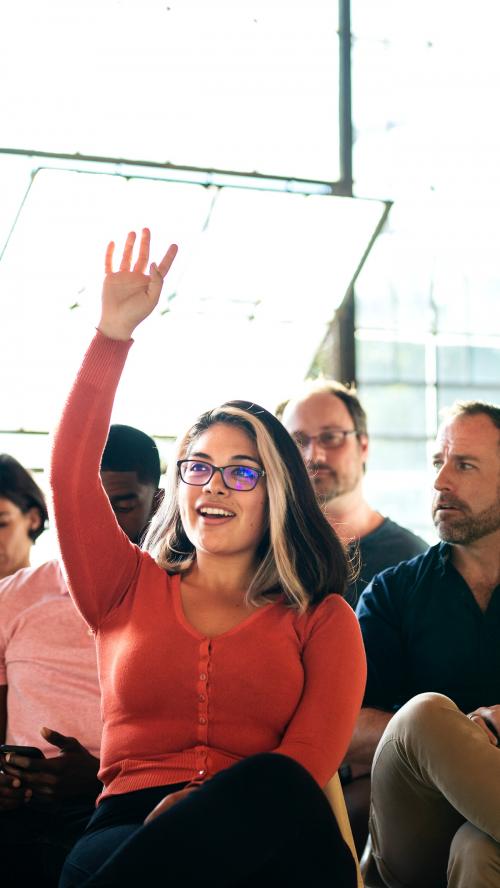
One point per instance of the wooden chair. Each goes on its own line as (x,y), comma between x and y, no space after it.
(335,796)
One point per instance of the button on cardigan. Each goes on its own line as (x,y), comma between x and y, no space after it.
(178,706)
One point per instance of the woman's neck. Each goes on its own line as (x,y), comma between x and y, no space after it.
(229,576)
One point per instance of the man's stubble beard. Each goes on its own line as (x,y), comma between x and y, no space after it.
(334,485)
(470,528)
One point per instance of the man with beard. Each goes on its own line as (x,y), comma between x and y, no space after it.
(431,628)
(329,426)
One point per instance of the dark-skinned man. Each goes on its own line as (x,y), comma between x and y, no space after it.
(49,692)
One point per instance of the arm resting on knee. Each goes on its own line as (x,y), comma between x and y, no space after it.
(369,728)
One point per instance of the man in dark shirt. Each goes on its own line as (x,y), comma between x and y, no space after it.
(329,426)
(432,624)
(422,629)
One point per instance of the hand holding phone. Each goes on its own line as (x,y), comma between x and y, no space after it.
(71,774)
(26,751)
(13,791)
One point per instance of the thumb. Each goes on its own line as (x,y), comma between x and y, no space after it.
(155,284)
(59,740)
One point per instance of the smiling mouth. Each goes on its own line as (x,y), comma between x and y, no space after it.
(213,512)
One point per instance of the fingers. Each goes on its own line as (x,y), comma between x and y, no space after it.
(127,251)
(491,731)
(164,805)
(167,260)
(12,792)
(59,740)
(45,783)
(37,779)
(160,808)
(108,259)
(8,783)
(157,272)
(168,803)
(14,761)
(143,257)
(481,723)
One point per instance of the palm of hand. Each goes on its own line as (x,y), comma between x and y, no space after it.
(130,295)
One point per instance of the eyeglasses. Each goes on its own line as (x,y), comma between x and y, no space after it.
(198,473)
(328,440)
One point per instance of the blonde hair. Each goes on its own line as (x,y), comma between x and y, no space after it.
(290,553)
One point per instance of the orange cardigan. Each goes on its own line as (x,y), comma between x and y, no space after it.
(178,706)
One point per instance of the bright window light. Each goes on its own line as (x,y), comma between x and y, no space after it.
(248,85)
(256,283)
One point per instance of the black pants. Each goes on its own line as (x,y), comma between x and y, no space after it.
(35,839)
(264,820)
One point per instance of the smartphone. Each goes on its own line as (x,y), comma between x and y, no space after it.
(28,751)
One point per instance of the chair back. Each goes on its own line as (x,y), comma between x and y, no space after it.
(335,796)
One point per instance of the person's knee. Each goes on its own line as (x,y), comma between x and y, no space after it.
(420,713)
(474,859)
(276,780)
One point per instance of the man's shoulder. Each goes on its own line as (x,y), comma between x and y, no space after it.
(387,545)
(389,532)
(410,577)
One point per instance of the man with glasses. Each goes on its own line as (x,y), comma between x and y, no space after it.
(328,424)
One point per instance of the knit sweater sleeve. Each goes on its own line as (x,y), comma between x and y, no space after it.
(100,561)
(334,680)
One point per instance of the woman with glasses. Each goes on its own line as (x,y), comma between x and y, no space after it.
(231,669)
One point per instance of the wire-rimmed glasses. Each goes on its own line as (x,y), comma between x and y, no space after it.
(329,439)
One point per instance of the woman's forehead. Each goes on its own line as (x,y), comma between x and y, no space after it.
(224,437)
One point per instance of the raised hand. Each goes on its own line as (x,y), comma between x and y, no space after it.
(130,294)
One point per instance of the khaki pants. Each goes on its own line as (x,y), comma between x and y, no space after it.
(435,813)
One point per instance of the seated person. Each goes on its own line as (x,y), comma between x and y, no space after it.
(432,624)
(232,670)
(329,425)
(48,678)
(23,514)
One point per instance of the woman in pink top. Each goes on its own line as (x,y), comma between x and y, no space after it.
(23,514)
(231,669)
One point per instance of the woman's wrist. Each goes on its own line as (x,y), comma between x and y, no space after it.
(111,331)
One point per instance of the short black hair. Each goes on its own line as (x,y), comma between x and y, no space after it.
(17,485)
(130,450)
